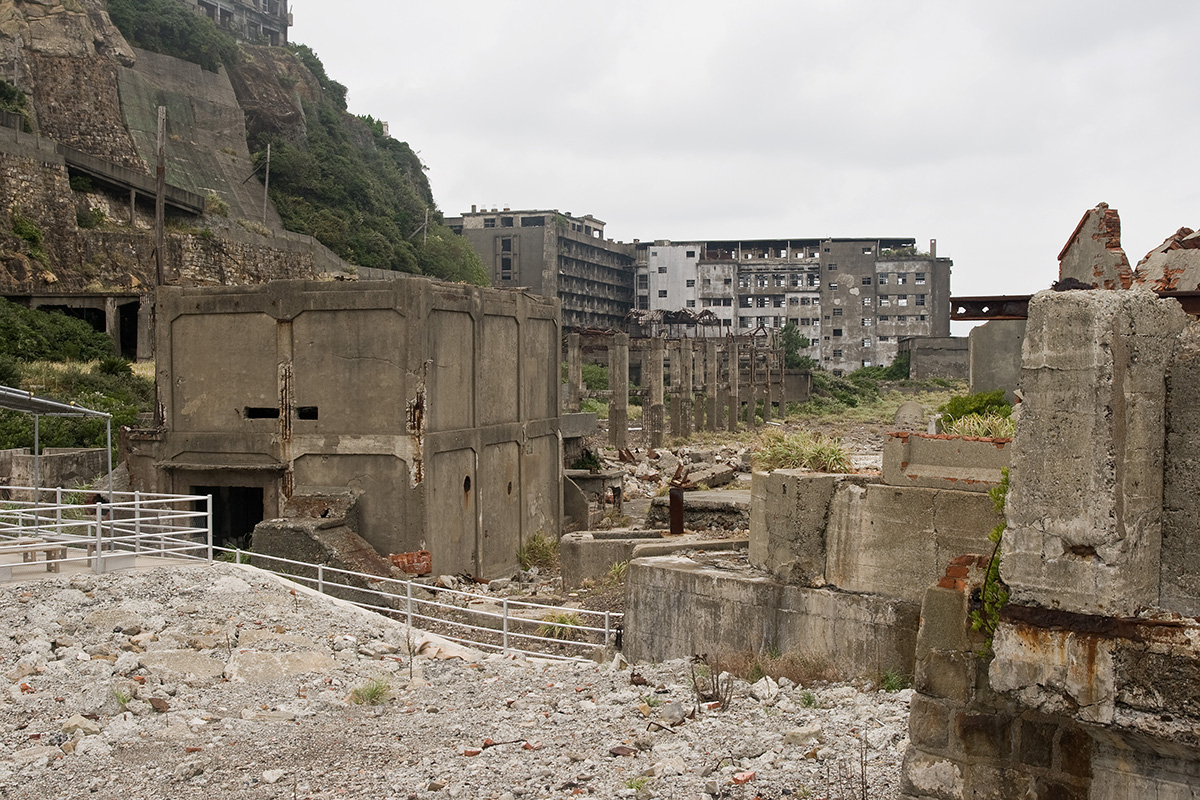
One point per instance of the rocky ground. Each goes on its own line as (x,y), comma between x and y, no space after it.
(220,681)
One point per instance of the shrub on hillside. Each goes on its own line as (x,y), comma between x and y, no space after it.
(32,335)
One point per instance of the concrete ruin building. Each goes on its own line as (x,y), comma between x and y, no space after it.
(249,21)
(555,255)
(854,299)
(435,404)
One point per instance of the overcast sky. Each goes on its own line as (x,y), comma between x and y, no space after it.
(991,127)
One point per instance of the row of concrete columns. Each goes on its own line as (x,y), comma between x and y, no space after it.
(716,384)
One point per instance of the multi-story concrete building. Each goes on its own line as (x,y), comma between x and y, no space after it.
(555,254)
(854,299)
(251,21)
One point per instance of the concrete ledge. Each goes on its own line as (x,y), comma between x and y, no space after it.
(728,510)
(676,607)
(112,562)
(670,546)
(937,461)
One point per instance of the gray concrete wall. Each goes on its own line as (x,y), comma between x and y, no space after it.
(438,401)
(1085,508)
(995,355)
(939,461)
(1180,579)
(677,607)
(938,357)
(67,468)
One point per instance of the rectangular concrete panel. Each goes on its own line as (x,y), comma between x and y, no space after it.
(498,398)
(1180,582)
(500,494)
(451,336)
(334,351)
(453,511)
(539,368)
(386,502)
(542,495)
(218,371)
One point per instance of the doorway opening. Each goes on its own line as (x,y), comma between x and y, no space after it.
(236,510)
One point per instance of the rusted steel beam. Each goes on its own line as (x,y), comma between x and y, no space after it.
(1016,306)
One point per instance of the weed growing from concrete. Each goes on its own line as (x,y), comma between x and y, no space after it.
(993,594)
(638,783)
(991,425)
(801,670)
(563,625)
(800,450)
(372,693)
(121,696)
(808,700)
(616,573)
(539,551)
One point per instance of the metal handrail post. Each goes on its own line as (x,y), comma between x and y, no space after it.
(137,522)
(99,565)
(210,531)
(408,592)
(58,509)
(607,627)
(505,625)
(321,578)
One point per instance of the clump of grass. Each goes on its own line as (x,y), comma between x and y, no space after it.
(638,783)
(614,519)
(214,204)
(372,693)
(800,450)
(894,681)
(990,424)
(122,696)
(563,625)
(808,699)
(539,551)
(801,670)
(616,573)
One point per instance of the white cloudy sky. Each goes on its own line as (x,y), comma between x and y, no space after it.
(991,127)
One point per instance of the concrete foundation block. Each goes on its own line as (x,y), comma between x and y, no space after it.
(944,462)
(1084,510)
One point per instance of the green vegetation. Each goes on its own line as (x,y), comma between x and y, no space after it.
(595,377)
(638,783)
(539,551)
(992,424)
(214,204)
(372,693)
(28,231)
(13,100)
(980,403)
(589,461)
(808,700)
(793,342)
(993,594)
(801,670)
(92,218)
(561,625)
(171,28)
(616,573)
(894,681)
(800,450)
(29,335)
(360,192)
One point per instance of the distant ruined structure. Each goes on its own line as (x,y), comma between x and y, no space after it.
(250,21)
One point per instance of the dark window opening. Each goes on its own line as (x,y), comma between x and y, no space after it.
(533,222)
(506,222)
(258,412)
(129,330)
(306,412)
(235,512)
(506,245)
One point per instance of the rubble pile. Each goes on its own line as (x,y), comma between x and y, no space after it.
(211,680)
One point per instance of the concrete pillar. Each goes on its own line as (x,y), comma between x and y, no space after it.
(654,381)
(574,371)
(674,348)
(685,389)
(618,385)
(699,404)
(766,379)
(145,331)
(735,404)
(1085,507)
(710,386)
(112,322)
(1181,483)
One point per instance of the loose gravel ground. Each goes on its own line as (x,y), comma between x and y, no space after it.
(224,681)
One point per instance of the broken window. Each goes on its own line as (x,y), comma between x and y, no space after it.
(793,301)
(901,278)
(729,281)
(691,303)
(882,280)
(260,412)
(920,279)
(920,299)
(884,300)
(307,413)
(779,302)
(533,222)
(837,332)
(506,245)
(866,343)
(867,251)
(833,287)
(727,301)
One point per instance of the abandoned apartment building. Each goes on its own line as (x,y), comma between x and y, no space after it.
(249,21)
(855,300)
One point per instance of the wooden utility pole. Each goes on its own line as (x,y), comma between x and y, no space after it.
(267,184)
(160,190)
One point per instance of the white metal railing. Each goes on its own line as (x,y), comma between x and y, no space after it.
(180,526)
(115,525)
(516,626)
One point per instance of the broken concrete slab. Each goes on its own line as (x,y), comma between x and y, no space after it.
(939,461)
(257,666)
(187,665)
(727,510)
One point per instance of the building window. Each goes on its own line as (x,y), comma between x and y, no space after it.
(832,267)
(866,281)
(727,323)
(901,279)
(837,332)
(884,300)
(533,222)
(837,353)
(506,222)
(833,287)
(729,281)
(506,268)
(814,280)
(727,301)
(691,303)
(902,300)
(866,343)
(707,283)
(780,281)
(643,281)
(866,362)
(883,339)
(691,253)
(868,250)
(662,292)
(793,301)
(691,283)
(654,254)
(920,279)
(745,321)
(866,302)
(920,299)
(643,302)
(778,302)
(806,301)
(867,322)
(883,318)
(921,318)
(882,280)
(489,222)
(901,319)
(837,312)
